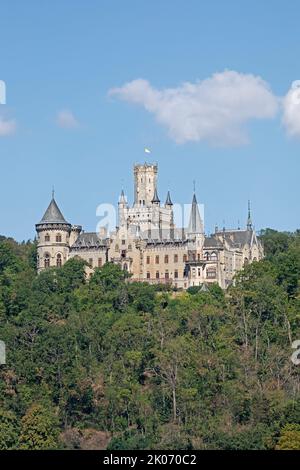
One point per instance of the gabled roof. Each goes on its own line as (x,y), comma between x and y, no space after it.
(53,214)
(212,242)
(89,240)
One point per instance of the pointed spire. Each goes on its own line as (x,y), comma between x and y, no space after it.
(249,221)
(155,199)
(195,223)
(168,200)
(53,214)
(122,198)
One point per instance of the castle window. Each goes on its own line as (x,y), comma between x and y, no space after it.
(246,261)
(206,255)
(156,259)
(198,256)
(148,259)
(166,259)
(194,256)
(58,260)
(214,256)
(184,258)
(125,267)
(91,262)
(199,272)
(211,273)
(117,247)
(175,258)
(47,260)
(47,237)
(99,262)
(166,275)
(123,242)
(157,274)
(176,274)
(58,238)
(148,275)
(129,247)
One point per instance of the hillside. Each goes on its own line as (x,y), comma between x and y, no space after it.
(119,365)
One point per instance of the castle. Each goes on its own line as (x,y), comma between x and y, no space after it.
(146,242)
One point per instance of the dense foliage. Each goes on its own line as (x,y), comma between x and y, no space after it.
(107,363)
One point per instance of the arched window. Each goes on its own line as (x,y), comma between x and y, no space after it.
(213,256)
(47,237)
(58,260)
(47,260)
(117,247)
(206,255)
(58,238)
(184,258)
(246,261)
(125,267)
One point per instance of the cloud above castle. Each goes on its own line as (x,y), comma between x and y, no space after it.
(216,109)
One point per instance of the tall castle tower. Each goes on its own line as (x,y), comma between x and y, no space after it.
(54,235)
(145,181)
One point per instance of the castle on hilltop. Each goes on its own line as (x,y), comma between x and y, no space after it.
(146,242)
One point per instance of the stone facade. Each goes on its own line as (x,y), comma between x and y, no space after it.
(147,243)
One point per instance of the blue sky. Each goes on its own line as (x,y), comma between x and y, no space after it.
(59,60)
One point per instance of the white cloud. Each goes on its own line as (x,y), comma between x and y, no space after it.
(7,126)
(66,119)
(215,109)
(291,110)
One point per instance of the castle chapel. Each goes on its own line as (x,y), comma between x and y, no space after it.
(146,242)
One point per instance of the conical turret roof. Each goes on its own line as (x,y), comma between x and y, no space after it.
(53,214)
(155,197)
(168,200)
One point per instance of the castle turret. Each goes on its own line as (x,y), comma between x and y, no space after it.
(53,238)
(122,206)
(145,177)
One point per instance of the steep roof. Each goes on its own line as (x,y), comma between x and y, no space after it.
(212,242)
(155,196)
(168,200)
(195,223)
(53,214)
(89,240)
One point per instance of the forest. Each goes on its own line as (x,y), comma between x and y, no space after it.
(106,363)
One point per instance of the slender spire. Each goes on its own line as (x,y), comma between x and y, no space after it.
(155,199)
(122,198)
(53,192)
(168,200)
(249,221)
(195,223)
